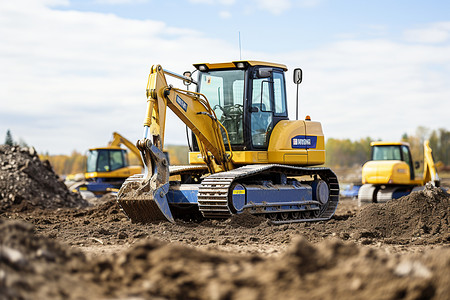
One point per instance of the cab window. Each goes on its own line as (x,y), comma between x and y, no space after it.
(116,159)
(262,112)
(386,153)
(225,93)
(279,94)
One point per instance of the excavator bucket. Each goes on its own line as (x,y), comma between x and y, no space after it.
(144,198)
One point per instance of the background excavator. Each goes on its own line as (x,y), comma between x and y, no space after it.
(390,172)
(246,155)
(107,168)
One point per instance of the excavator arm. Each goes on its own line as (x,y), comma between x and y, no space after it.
(194,110)
(429,172)
(118,140)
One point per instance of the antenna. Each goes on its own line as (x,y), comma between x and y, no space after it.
(240,49)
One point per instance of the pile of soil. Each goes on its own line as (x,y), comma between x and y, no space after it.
(36,267)
(27,182)
(33,267)
(421,217)
(172,271)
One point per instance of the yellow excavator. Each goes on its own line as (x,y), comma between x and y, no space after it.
(390,172)
(246,155)
(107,168)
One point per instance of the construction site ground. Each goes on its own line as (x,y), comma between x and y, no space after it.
(55,245)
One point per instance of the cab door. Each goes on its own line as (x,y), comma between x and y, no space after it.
(406,157)
(268,105)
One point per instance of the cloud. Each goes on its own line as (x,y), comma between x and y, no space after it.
(434,33)
(114,2)
(376,88)
(278,7)
(213,2)
(309,3)
(275,7)
(225,14)
(75,77)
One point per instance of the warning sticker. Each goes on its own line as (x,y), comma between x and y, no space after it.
(239,192)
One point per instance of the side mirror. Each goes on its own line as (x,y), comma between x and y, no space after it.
(416,164)
(298,75)
(188,75)
(264,72)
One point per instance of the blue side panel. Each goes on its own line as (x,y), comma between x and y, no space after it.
(400,193)
(259,195)
(181,196)
(98,188)
(280,198)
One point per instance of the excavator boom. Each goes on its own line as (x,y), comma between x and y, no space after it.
(194,110)
(429,173)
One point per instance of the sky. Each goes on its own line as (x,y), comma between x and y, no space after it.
(74,71)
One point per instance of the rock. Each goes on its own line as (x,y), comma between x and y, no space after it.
(12,256)
(412,268)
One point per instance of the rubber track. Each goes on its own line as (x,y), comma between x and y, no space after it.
(214,190)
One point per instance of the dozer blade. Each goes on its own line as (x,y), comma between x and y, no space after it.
(143,198)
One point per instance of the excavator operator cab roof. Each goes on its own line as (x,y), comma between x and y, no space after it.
(241,64)
(389,144)
(107,148)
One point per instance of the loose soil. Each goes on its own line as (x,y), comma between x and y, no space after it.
(54,245)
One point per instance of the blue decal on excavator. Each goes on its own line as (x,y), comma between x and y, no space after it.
(181,103)
(304,142)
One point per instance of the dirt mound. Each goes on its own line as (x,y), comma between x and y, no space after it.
(26,181)
(32,267)
(330,270)
(421,217)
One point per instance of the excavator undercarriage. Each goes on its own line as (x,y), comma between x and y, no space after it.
(269,190)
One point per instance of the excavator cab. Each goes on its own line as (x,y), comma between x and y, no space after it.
(394,151)
(106,160)
(249,100)
(107,168)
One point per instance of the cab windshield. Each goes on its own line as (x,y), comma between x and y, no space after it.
(225,93)
(386,153)
(103,160)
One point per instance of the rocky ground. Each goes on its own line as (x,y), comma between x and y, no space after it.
(54,245)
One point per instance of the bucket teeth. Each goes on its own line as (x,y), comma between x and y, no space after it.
(142,211)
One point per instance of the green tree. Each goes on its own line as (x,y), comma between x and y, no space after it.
(9,140)
(439,143)
(347,153)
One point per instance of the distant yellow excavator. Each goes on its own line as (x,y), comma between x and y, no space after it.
(107,168)
(390,172)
